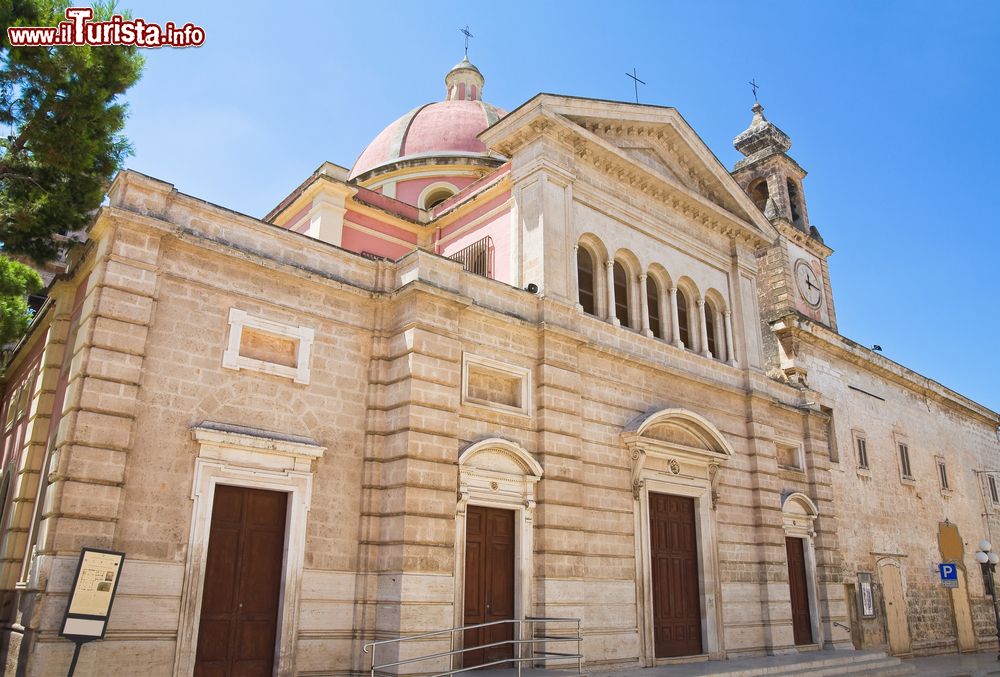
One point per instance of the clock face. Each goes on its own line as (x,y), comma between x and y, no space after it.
(808,282)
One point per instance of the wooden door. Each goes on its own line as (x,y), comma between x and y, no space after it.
(675,573)
(895,609)
(239,606)
(798,586)
(963,615)
(489,582)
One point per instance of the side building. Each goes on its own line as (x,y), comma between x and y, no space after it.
(557,362)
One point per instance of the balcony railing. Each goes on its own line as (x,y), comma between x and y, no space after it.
(477,257)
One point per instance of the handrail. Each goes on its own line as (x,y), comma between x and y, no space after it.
(517,642)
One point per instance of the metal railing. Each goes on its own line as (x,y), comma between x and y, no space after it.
(524,649)
(477,257)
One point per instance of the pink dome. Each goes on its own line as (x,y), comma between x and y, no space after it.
(444,129)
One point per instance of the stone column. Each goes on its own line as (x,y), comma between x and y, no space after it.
(609,267)
(704,327)
(644,305)
(661,301)
(675,325)
(730,354)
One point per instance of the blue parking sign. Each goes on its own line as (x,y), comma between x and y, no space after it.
(949,575)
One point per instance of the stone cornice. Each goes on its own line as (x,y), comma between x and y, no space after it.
(804,240)
(589,148)
(841,347)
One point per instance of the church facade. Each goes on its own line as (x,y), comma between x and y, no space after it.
(557,362)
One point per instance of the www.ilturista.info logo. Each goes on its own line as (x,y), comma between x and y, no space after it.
(78,29)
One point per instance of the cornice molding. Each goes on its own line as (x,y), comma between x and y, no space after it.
(804,331)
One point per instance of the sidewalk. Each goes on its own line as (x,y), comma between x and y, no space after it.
(956,665)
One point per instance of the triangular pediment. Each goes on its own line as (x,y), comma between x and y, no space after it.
(665,149)
(653,159)
(651,147)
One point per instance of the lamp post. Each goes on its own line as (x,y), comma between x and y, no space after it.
(990,559)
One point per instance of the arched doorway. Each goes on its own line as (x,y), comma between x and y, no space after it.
(798,513)
(677,457)
(493,543)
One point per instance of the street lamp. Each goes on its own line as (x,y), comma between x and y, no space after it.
(990,559)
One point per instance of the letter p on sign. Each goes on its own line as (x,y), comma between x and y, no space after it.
(949,575)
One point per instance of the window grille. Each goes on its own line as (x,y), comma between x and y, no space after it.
(862,453)
(477,258)
(993,489)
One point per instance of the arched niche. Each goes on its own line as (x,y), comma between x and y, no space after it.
(498,473)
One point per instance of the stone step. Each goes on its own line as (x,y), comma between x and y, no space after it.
(817,664)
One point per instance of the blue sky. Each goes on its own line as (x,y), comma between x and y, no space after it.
(892,108)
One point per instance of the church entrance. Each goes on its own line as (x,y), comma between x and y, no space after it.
(239,608)
(674,569)
(799,588)
(489,582)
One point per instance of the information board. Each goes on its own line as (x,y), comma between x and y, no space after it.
(92,594)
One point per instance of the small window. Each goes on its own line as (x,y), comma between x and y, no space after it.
(987,579)
(993,489)
(943,474)
(653,301)
(585,280)
(621,294)
(863,453)
(904,461)
(683,326)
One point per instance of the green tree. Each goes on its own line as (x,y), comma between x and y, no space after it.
(64,109)
(16,282)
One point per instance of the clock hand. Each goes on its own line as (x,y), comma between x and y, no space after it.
(809,282)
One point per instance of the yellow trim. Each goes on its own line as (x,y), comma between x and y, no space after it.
(402,171)
(493,191)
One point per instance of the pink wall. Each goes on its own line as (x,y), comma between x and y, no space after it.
(293,223)
(357,240)
(498,228)
(360,241)
(409,191)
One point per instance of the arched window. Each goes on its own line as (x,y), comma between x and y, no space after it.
(585,280)
(437,196)
(794,202)
(653,301)
(621,294)
(683,323)
(759,193)
(715,342)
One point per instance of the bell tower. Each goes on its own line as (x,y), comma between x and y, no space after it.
(795,277)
